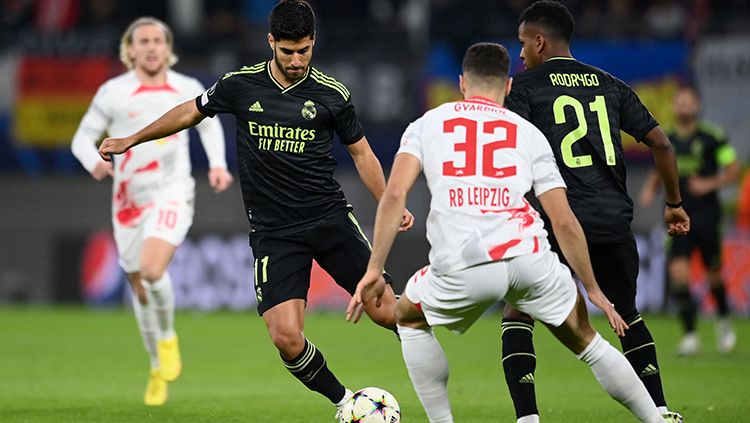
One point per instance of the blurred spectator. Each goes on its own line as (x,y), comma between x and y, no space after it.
(56,15)
(16,13)
(666,18)
(619,21)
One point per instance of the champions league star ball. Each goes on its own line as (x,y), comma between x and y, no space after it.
(371,405)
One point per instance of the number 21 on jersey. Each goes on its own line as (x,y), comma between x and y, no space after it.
(469,148)
(599,106)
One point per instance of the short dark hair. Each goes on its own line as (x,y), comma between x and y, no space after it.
(552,16)
(487,60)
(292,20)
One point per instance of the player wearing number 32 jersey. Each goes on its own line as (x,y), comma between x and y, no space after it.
(487,242)
(499,158)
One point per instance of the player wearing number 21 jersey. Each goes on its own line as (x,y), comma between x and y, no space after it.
(581,110)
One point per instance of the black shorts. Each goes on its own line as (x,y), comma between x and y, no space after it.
(705,234)
(616,269)
(283,263)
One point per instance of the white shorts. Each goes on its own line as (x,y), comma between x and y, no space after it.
(167,218)
(537,284)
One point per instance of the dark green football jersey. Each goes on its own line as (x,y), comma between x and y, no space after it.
(284,143)
(702,153)
(581,110)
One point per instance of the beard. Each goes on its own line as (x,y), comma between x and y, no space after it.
(285,71)
(686,118)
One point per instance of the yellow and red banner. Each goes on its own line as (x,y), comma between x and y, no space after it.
(53,95)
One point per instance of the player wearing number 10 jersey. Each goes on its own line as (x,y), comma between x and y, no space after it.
(581,110)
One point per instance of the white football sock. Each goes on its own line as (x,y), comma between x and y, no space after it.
(428,370)
(160,295)
(617,377)
(531,418)
(145,315)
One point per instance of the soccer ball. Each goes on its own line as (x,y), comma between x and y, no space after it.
(371,405)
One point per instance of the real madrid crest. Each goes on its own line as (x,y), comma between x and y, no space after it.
(309,111)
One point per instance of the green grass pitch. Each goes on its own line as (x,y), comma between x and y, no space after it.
(76,365)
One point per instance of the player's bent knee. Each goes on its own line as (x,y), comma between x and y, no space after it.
(289,343)
(408,314)
(679,271)
(151,273)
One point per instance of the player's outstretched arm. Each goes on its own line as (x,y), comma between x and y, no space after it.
(371,172)
(212,138)
(572,241)
(677,220)
(390,213)
(181,117)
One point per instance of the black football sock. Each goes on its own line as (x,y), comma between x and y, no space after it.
(519,364)
(311,369)
(687,308)
(638,347)
(720,295)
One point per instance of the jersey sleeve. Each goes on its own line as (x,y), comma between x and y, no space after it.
(725,153)
(411,140)
(211,133)
(93,125)
(635,119)
(518,101)
(216,99)
(543,165)
(347,124)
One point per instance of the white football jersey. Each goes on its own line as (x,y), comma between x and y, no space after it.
(479,160)
(123,106)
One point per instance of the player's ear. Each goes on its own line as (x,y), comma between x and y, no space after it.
(462,83)
(508,85)
(271,41)
(540,43)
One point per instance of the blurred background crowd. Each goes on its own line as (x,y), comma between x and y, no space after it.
(397,57)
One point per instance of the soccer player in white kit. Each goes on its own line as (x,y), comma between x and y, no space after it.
(153,190)
(487,242)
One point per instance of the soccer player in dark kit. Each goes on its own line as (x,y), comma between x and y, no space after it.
(286,114)
(707,163)
(581,110)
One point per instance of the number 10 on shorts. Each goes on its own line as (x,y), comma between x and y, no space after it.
(167,219)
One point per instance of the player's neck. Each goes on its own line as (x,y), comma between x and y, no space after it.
(494,96)
(556,52)
(280,77)
(151,79)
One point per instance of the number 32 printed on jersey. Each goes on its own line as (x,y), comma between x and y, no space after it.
(470,149)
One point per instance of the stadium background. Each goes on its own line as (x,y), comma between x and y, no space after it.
(398,58)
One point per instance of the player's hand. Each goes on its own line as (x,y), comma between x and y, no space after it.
(372,285)
(677,220)
(699,186)
(407,222)
(102,170)
(615,320)
(114,146)
(219,178)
